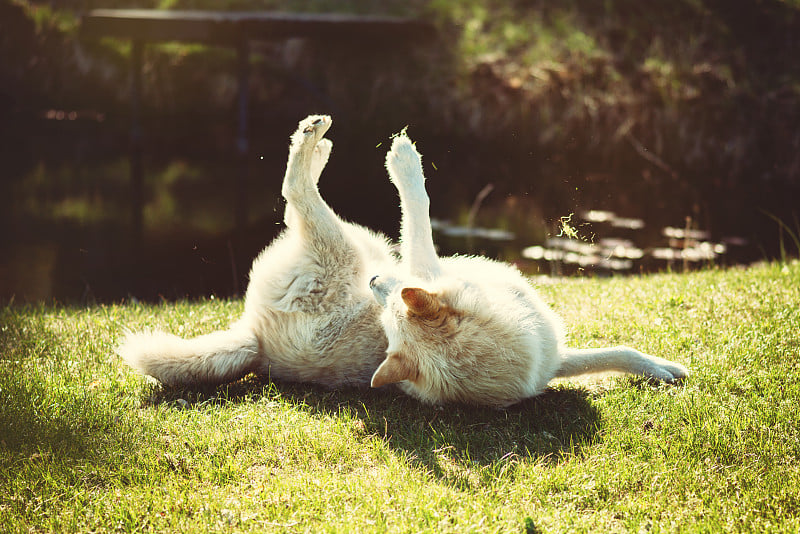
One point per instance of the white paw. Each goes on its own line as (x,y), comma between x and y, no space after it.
(666,371)
(403,161)
(310,131)
(319,157)
(322,151)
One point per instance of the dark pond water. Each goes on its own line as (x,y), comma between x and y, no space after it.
(66,212)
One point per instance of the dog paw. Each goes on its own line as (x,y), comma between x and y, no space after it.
(319,157)
(666,371)
(404,163)
(310,131)
(322,150)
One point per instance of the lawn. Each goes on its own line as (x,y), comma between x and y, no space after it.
(87,445)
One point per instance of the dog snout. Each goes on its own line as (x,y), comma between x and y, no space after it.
(381,286)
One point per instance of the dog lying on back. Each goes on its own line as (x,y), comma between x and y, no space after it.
(328,303)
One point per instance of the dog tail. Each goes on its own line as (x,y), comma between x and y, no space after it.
(214,358)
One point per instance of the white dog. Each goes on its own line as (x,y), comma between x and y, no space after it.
(462,329)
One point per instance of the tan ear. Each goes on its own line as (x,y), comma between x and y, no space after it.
(420,302)
(395,368)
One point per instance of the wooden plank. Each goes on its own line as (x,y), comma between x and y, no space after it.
(223,27)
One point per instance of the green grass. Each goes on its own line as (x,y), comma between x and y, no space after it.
(86,445)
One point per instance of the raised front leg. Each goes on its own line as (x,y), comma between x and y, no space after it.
(319,158)
(326,258)
(305,210)
(416,240)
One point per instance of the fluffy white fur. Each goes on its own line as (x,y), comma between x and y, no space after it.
(462,329)
(469,329)
(309,314)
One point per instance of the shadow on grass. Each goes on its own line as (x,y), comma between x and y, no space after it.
(28,428)
(53,430)
(545,428)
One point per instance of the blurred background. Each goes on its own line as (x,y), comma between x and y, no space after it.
(572,137)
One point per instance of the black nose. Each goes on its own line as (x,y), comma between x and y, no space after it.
(372,280)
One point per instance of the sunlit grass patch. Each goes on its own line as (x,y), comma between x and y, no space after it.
(87,445)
